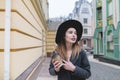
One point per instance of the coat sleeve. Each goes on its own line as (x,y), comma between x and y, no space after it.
(82,71)
(51,67)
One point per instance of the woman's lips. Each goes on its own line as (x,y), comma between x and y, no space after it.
(73,39)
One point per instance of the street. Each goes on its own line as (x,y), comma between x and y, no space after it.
(104,71)
(99,70)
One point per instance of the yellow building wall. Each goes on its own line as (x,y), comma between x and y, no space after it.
(50,42)
(27,36)
(2,24)
(1,65)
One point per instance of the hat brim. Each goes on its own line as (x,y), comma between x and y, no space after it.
(68,24)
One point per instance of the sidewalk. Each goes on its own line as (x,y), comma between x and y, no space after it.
(91,59)
(99,70)
(44,73)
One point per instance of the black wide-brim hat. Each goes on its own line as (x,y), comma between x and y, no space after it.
(63,27)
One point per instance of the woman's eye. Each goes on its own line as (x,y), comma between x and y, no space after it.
(70,32)
(75,33)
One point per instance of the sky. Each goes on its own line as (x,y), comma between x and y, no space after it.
(59,8)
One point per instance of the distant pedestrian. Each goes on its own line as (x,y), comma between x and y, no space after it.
(69,61)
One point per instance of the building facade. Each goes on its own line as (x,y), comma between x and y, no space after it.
(88,29)
(107,32)
(53,25)
(23,30)
(83,13)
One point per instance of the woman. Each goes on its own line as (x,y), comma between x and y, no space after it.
(75,64)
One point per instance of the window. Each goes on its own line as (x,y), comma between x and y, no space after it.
(110,12)
(110,43)
(84,42)
(85,31)
(99,14)
(85,20)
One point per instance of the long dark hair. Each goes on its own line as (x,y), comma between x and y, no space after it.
(61,49)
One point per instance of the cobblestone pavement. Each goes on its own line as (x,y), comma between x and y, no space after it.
(103,71)
(100,71)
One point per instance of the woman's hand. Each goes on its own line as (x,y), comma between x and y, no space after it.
(57,65)
(68,65)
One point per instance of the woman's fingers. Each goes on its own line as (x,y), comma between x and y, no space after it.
(64,61)
(57,65)
(68,65)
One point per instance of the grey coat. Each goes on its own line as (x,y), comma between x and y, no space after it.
(81,72)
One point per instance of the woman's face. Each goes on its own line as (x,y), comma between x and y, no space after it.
(71,35)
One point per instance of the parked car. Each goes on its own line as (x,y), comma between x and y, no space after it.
(91,51)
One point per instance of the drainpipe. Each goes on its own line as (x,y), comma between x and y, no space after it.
(7,40)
